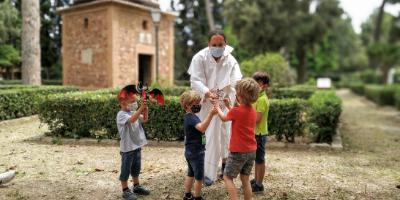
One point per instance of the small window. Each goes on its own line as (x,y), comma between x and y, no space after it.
(144,24)
(86,22)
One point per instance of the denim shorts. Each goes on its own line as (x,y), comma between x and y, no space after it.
(260,153)
(239,163)
(195,164)
(130,164)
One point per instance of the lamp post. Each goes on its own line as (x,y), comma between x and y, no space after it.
(156,17)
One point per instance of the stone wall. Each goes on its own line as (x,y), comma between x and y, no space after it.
(84,49)
(127,44)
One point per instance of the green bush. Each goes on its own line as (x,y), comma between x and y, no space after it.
(92,114)
(302,92)
(80,114)
(10,82)
(360,78)
(19,82)
(369,76)
(174,91)
(8,87)
(397,98)
(52,82)
(166,122)
(357,88)
(185,83)
(171,91)
(20,102)
(272,63)
(286,118)
(323,115)
(381,94)
(396,76)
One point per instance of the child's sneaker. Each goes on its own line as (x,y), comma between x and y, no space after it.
(256,188)
(141,190)
(188,197)
(128,195)
(253,181)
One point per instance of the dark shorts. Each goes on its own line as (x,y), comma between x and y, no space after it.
(239,163)
(260,153)
(130,164)
(195,162)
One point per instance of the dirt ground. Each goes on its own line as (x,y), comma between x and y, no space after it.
(368,167)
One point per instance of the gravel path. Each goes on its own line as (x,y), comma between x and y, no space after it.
(368,168)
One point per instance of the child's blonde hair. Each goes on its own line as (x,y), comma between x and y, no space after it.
(248,90)
(189,97)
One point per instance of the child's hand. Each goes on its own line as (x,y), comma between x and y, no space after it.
(143,106)
(212,96)
(227,102)
(216,107)
(214,110)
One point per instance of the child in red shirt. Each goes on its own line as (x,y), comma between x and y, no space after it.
(243,144)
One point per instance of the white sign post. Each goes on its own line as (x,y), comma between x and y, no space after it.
(324,83)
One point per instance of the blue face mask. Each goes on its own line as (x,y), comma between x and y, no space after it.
(196,108)
(217,52)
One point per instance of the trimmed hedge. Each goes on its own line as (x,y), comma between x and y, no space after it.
(92,114)
(11,82)
(286,118)
(80,114)
(172,91)
(364,77)
(21,102)
(381,94)
(19,82)
(397,98)
(357,88)
(302,92)
(323,115)
(8,87)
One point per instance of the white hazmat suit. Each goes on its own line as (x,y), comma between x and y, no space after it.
(206,74)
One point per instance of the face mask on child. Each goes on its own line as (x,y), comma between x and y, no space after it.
(196,108)
(133,106)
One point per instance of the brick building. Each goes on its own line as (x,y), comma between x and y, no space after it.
(111,43)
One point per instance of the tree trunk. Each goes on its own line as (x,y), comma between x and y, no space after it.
(30,42)
(12,72)
(385,73)
(210,16)
(301,68)
(379,19)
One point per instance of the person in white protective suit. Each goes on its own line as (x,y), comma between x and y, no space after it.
(214,73)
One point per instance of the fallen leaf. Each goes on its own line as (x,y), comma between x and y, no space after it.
(98,170)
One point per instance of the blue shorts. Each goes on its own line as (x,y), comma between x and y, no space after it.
(195,164)
(130,164)
(260,153)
